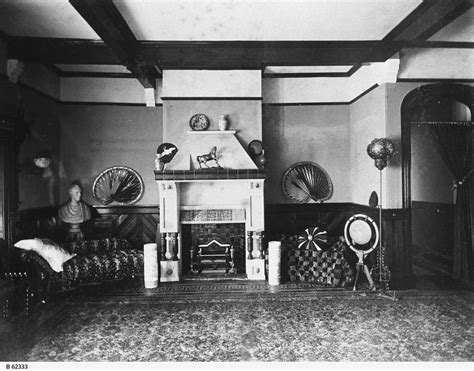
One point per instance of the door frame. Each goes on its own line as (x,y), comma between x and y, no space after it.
(456,91)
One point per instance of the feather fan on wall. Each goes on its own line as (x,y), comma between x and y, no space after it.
(305,181)
(118,184)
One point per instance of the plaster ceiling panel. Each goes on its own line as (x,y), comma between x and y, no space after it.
(253,20)
(43,18)
(307,69)
(99,68)
(461,29)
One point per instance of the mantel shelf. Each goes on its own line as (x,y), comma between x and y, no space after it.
(212,132)
(209,174)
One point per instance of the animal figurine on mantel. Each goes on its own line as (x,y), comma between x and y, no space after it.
(211,156)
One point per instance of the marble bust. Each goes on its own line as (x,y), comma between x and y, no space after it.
(74,212)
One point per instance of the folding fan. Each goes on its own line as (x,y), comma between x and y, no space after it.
(304,181)
(119,184)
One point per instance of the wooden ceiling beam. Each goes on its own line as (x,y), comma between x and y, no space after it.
(212,55)
(60,51)
(427,19)
(215,55)
(106,20)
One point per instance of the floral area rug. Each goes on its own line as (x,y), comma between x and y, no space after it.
(261,325)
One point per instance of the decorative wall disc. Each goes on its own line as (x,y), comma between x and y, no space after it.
(199,122)
(119,184)
(304,181)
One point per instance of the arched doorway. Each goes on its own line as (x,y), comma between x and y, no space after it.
(437,155)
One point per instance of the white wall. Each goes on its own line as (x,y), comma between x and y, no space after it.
(329,89)
(105,90)
(204,83)
(367,121)
(437,63)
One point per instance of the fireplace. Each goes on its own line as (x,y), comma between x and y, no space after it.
(213,201)
(193,195)
(194,234)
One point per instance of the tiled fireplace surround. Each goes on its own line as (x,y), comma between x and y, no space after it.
(219,200)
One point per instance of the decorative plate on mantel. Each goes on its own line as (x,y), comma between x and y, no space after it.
(199,122)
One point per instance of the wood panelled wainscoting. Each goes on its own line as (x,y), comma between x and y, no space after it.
(290,219)
(139,224)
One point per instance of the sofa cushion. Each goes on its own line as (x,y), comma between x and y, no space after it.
(54,254)
(313,238)
(329,267)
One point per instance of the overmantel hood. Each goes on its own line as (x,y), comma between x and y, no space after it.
(233,159)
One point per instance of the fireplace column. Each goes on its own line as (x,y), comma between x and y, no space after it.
(170,254)
(255,224)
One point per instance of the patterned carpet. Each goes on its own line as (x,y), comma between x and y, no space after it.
(253,322)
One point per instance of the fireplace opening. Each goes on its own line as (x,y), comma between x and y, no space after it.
(225,233)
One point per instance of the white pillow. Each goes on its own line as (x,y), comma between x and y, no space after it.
(54,254)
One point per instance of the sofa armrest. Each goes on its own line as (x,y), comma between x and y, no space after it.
(39,272)
(37,263)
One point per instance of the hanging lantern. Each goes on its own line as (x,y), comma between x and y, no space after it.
(380,149)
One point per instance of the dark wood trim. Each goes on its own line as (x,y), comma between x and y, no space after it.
(291,219)
(437,80)
(4,36)
(213,68)
(364,93)
(136,223)
(450,16)
(106,20)
(128,209)
(307,104)
(108,104)
(392,213)
(303,75)
(435,14)
(54,69)
(408,20)
(139,224)
(209,174)
(354,69)
(326,103)
(61,73)
(440,44)
(412,100)
(255,55)
(205,55)
(210,98)
(60,51)
(39,92)
(10,146)
(462,93)
(348,73)
(107,75)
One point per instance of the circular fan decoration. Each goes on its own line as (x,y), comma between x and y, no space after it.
(305,181)
(119,184)
(313,238)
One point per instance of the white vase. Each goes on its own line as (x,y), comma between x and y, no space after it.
(150,262)
(222,123)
